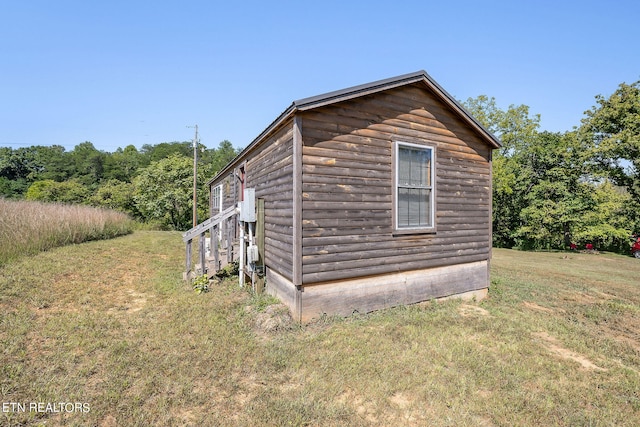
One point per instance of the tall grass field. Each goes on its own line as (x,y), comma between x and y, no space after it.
(106,333)
(27,227)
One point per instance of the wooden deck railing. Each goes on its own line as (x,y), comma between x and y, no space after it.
(213,226)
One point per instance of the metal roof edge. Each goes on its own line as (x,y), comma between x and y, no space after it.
(495,142)
(277,122)
(357,91)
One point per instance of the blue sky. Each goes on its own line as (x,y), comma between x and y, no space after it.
(139,72)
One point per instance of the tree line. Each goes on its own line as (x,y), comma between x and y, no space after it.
(555,190)
(153,184)
(551,190)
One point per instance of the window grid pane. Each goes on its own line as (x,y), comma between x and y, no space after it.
(215,199)
(414,208)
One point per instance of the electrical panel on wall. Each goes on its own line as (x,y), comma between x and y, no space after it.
(248,205)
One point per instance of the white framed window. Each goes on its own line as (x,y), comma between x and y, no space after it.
(414,189)
(216,199)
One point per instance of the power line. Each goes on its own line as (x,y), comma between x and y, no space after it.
(30,144)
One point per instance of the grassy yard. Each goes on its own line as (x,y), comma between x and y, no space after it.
(110,325)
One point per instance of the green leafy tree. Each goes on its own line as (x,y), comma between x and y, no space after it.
(163,192)
(12,189)
(13,164)
(122,165)
(507,200)
(557,191)
(36,163)
(610,220)
(213,160)
(116,195)
(614,127)
(88,164)
(516,129)
(24,166)
(13,183)
(156,152)
(22,163)
(53,163)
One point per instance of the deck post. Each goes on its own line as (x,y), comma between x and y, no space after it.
(242,255)
(188,260)
(202,255)
(229,246)
(214,247)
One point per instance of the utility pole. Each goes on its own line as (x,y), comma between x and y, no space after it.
(195,174)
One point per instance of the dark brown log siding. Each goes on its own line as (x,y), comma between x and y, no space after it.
(347,187)
(270,172)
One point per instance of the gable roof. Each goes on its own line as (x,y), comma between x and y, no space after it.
(317,101)
(380,85)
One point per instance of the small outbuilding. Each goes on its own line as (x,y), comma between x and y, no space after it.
(360,199)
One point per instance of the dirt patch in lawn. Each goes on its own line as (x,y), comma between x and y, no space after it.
(536,307)
(467,310)
(553,345)
(273,319)
(129,300)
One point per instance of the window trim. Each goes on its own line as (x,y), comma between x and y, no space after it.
(395,162)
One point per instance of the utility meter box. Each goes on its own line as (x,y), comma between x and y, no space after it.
(248,205)
(253,255)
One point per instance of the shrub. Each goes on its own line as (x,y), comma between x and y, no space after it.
(61,192)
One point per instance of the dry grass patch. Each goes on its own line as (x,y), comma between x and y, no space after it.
(467,310)
(27,228)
